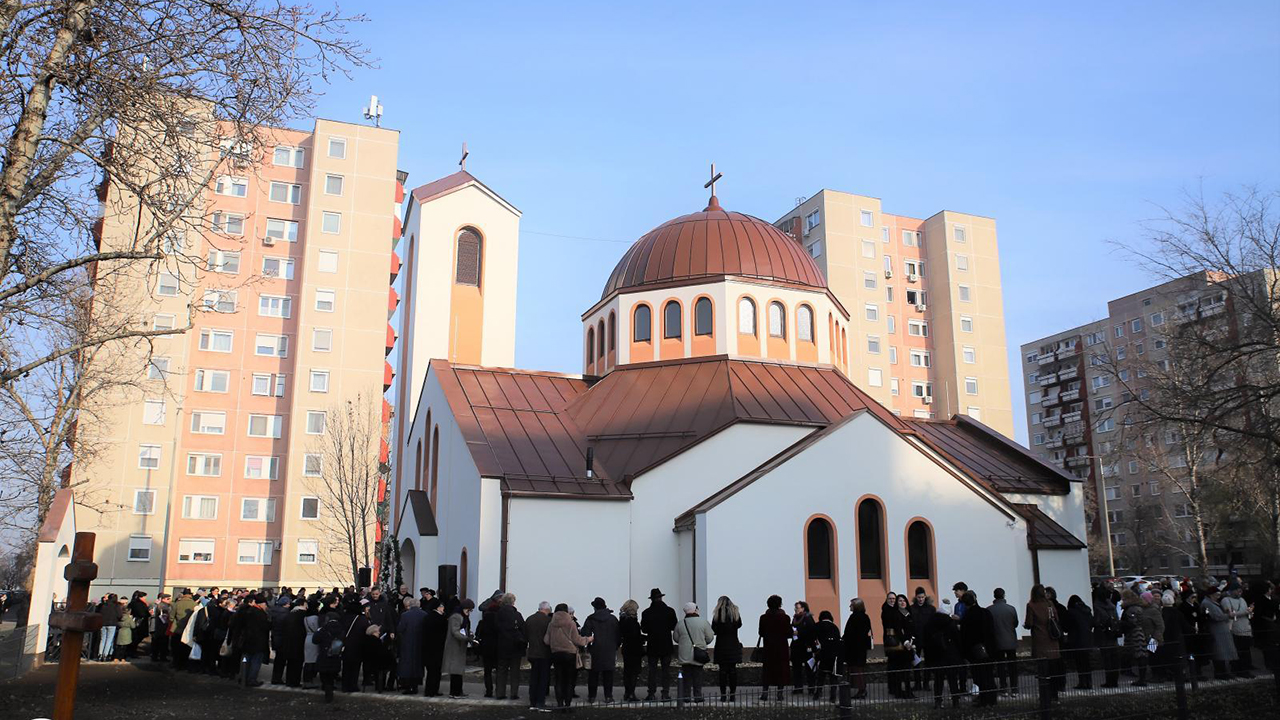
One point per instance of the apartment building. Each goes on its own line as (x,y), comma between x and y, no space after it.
(208,474)
(1080,386)
(926,331)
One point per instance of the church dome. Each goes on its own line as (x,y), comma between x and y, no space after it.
(711,243)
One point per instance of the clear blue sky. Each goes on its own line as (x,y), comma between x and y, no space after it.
(1065,122)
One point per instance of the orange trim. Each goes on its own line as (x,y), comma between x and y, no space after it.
(872,590)
(703,344)
(406,324)
(823,594)
(466,304)
(641,351)
(671,347)
(930,583)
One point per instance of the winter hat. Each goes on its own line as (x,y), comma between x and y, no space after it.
(1167,598)
(467,605)
(598,603)
(690,608)
(1147,597)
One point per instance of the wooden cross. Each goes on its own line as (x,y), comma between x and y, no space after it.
(463,162)
(75,622)
(712,182)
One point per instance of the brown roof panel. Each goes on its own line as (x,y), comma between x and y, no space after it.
(450,183)
(1043,533)
(990,457)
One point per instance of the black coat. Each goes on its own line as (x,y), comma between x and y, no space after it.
(604,646)
(487,634)
(353,643)
(728,650)
(1077,624)
(330,630)
(508,629)
(631,637)
(658,621)
(381,614)
(977,631)
(775,632)
(941,641)
(435,627)
(279,613)
(805,632)
(826,645)
(857,639)
(294,639)
(255,630)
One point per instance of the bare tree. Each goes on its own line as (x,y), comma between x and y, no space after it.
(127,110)
(346,483)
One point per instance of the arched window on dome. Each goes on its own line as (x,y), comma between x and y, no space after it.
(470,246)
(777,320)
(804,323)
(702,317)
(642,324)
(747,316)
(671,329)
(600,339)
(613,332)
(591,345)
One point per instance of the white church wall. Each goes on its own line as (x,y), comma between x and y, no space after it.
(570,551)
(668,490)
(489,552)
(1066,510)
(1067,571)
(762,526)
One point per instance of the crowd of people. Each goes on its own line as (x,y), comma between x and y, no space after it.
(350,640)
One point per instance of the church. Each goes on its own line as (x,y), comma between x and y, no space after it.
(711,445)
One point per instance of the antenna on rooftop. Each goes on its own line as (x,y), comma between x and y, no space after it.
(374,111)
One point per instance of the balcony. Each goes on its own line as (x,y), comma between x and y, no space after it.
(1073,437)
(1076,461)
(1071,416)
(395,266)
(1050,400)
(1053,421)
(1046,359)
(1199,313)
(391,340)
(1054,443)
(1069,395)
(1068,352)
(1047,380)
(387,376)
(1070,373)
(393,300)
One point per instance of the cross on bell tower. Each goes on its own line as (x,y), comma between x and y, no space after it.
(713,203)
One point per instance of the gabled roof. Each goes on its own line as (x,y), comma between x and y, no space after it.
(424,517)
(1043,533)
(453,183)
(990,457)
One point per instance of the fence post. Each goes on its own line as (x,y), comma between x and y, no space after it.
(1042,688)
(1180,687)
(846,700)
(680,688)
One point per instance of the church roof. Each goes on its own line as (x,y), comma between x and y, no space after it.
(710,244)
(1043,533)
(453,183)
(990,457)
(424,518)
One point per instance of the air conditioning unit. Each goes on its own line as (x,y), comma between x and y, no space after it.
(275,544)
(888,273)
(927,399)
(268,241)
(912,277)
(921,307)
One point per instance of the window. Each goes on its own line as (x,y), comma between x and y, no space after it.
(777,320)
(286,156)
(1113,493)
(1139,348)
(962,262)
(891,324)
(320,381)
(920,549)
(167,285)
(223,261)
(870,540)
(917,297)
(804,323)
(278,306)
(315,422)
(1035,418)
(893,386)
(872,312)
(1182,510)
(959,234)
(261,467)
(139,548)
(1115,516)
(277,267)
(1122,352)
(285,193)
(868,249)
(893,355)
(328,262)
(1034,397)
(233,186)
(815,249)
(1103,403)
(1135,325)
(214,381)
(884,233)
(873,344)
(254,552)
(221,301)
(268,384)
(918,328)
(196,551)
(1101,381)
(1157,319)
(921,389)
(919,358)
(204,464)
(966,323)
(671,329)
(868,219)
(875,377)
(702,317)
(1119,331)
(286,230)
(1119,539)
(200,507)
(1133,467)
(642,324)
(746,316)
(310,508)
(228,223)
(910,238)
(312,465)
(307,552)
(1153,487)
(1037,439)
(268,345)
(322,339)
(1106,425)
(158,368)
(468,267)
(965,294)
(888,293)
(144,501)
(152,412)
(162,321)
(818,550)
(914,268)
(1160,344)
(258,509)
(971,386)
(205,422)
(337,148)
(326,300)
(331,223)
(869,280)
(265,426)
(333,184)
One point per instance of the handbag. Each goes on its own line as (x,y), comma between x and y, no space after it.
(225,650)
(700,654)
(1055,631)
(757,653)
(336,644)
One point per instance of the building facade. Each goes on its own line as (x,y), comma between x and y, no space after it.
(926,314)
(208,474)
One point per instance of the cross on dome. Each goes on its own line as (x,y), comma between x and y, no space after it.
(713,203)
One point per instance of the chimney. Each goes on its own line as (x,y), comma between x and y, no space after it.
(591,461)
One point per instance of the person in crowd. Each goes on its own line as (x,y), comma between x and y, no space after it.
(329,639)
(856,642)
(535,633)
(922,609)
(726,621)
(826,653)
(1240,612)
(959,589)
(1215,626)
(293,643)
(255,641)
(940,641)
(1135,636)
(1265,635)
(1059,666)
(657,622)
(802,638)
(1172,653)
(899,648)
(110,612)
(693,635)
(775,634)
(141,612)
(1152,624)
(456,642)
(425,595)
(1004,630)
(602,626)
(1077,630)
(1046,633)
(355,625)
(310,651)
(159,626)
(977,638)
(124,633)
(486,637)
(1106,630)
(409,644)
(435,631)
(508,632)
(632,639)
(183,607)
(564,641)
(888,612)
(278,612)
(228,664)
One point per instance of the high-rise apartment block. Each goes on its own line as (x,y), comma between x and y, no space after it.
(207,472)
(926,331)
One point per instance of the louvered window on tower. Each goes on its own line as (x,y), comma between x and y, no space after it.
(468,271)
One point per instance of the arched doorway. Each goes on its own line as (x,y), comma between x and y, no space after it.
(922,562)
(462,575)
(873,557)
(409,565)
(821,566)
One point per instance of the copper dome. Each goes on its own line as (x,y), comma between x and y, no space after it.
(711,243)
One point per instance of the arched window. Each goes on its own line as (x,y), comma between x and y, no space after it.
(870,541)
(747,316)
(469,253)
(919,551)
(642,324)
(424,482)
(777,320)
(613,332)
(818,549)
(702,316)
(435,467)
(804,323)
(417,467)
(671,321)
(591,345)
(600,339)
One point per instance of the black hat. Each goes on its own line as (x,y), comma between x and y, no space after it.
(656,594)
(598,603)
(467,605)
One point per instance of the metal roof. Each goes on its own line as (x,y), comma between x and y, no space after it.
(989,457)
(1043,533)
